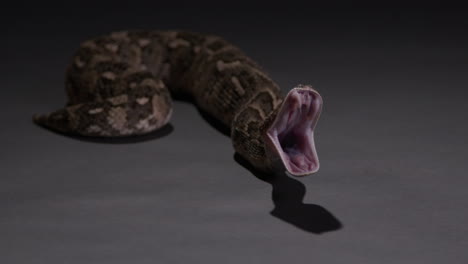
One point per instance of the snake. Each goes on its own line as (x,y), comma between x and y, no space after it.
(123,83)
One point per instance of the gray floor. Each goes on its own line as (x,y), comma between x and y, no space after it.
(392,141)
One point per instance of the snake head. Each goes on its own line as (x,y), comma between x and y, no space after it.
(290,137)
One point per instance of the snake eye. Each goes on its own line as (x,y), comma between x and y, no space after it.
(292,132)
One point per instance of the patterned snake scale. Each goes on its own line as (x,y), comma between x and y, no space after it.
(120,84)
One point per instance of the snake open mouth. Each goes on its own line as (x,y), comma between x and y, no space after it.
(292,132)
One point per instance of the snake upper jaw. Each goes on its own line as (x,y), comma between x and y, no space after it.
(291,135)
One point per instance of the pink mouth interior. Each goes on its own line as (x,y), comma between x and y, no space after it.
(292,133)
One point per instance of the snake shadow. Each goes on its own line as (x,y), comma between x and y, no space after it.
(159,133)
(287,196)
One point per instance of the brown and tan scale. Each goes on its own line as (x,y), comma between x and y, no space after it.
(121,84)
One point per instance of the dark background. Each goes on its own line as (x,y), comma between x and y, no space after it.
(392,141)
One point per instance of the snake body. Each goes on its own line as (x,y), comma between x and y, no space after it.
(120,84)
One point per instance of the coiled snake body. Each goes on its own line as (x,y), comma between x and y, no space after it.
(121,84)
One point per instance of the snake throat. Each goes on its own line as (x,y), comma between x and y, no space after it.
(292,132)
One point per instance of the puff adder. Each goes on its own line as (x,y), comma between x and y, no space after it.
(121,84)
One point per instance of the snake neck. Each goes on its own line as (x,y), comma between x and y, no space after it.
(250,126)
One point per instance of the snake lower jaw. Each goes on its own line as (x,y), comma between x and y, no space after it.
(291,135)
